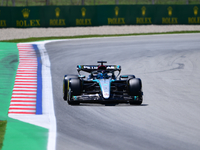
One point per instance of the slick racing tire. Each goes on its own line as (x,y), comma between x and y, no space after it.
(65,84)
(74,90)
(75,85)
(135,90)
(65,89)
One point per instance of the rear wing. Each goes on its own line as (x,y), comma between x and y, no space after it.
(91,68)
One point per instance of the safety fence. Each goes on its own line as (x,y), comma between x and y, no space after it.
(70,16)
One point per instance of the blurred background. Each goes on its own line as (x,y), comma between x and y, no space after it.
(92,2)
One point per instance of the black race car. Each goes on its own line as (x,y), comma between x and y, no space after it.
(102,85)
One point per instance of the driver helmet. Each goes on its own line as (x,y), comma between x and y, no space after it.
(103,73)
(100,76)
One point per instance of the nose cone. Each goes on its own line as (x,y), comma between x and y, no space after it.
(105,88)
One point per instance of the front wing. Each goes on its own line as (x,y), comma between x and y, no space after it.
(99,98)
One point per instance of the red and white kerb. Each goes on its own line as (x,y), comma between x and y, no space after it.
(23,99)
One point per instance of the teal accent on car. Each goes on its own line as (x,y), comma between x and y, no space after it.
(124,76)
(75,97)
(135,98)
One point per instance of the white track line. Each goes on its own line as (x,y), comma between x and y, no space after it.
(47,96)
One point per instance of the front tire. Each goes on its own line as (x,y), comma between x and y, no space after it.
(65,84)
(135,90)
(65,89)
(74,90)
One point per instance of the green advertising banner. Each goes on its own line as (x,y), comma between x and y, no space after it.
(183,14)
(167,15)
(23,17)
(114,15)
(142,14)
(193,15)
(71,16)
(83,16)
(57,16)
(5,17)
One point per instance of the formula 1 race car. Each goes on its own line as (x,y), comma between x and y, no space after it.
(102,85)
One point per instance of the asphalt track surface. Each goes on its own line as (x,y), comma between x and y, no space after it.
(168,119)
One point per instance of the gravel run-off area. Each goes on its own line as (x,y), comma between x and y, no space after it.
(16,33)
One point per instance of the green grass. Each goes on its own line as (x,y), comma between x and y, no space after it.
(94,2)
(8,66)
(2,132)
(90,36)
(24,136)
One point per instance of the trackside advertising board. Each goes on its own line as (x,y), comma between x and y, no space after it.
(71,16)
